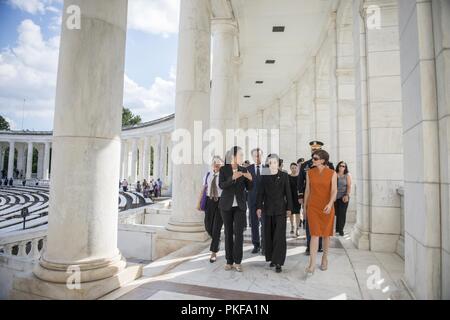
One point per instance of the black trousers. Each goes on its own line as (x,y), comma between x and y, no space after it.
(213,223)
(340,210)
(234,221)
(275,238)
(255,222)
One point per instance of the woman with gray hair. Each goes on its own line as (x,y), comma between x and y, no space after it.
(275,200)
(213,219)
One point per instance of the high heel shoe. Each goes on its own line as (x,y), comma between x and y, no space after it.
(309,271)
(324,264)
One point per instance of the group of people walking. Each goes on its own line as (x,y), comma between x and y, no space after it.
(147,188)
(271,196)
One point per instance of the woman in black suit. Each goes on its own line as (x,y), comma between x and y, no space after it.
(234,180)
(275,200)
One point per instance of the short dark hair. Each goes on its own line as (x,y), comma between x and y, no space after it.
(323,155)
(273,156)
(231,153)
(346,166)
(293,164)
(300,160)
(256,150)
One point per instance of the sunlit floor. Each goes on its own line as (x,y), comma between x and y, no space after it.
(351,274)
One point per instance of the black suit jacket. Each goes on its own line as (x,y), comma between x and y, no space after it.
(231,188)
(253,193)
(274,195)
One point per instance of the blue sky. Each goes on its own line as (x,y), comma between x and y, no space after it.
(29,43)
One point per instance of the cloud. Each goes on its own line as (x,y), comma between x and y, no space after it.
(34,6)
(12,124)
(154,16)
(28,71)
(151,103)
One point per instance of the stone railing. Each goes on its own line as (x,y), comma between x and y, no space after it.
(133,216)
(24,244)
(401,241)
(19,253)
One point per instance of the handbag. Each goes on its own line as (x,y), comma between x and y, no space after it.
(203,200)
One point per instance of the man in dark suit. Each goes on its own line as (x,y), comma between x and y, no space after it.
(315,145)
(234,180)
(256,171)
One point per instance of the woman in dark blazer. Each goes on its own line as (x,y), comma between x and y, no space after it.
(275,200)
(234,180)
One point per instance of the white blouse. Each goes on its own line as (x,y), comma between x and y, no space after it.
(209,182)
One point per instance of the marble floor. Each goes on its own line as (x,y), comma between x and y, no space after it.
(352,274)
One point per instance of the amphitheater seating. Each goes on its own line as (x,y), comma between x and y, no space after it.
(36,199)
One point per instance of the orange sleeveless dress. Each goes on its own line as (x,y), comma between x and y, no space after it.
(320,224)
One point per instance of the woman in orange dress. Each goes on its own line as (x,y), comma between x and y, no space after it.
(320,194)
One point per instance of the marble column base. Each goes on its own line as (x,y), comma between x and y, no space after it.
(382,242)
(176,237)
(400,250)
(360,238)
(89,271)
(29,287)
(187,228)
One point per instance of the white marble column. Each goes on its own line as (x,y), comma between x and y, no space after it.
(29,160)
(288,127)
(322,110)
(122,159)
(379,133)
(224,109)
(169,180)
(145,160)
(82,225)
(11,159)
(162,158)
(133,160)
(305,111)
(46,175)
(126,159)
(40,161)
(192,104)
(441,29)
(155,145)
(140,159)
(21,158)
(333,147)
(423,268)
(2,157)
(345,97)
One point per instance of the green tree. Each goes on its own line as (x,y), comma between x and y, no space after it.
(4,125)
(129,119)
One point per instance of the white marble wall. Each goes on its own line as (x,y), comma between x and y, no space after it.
(288,127)
(345,95)
(271,120)
(305,110)
(441,28)
(425,67)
